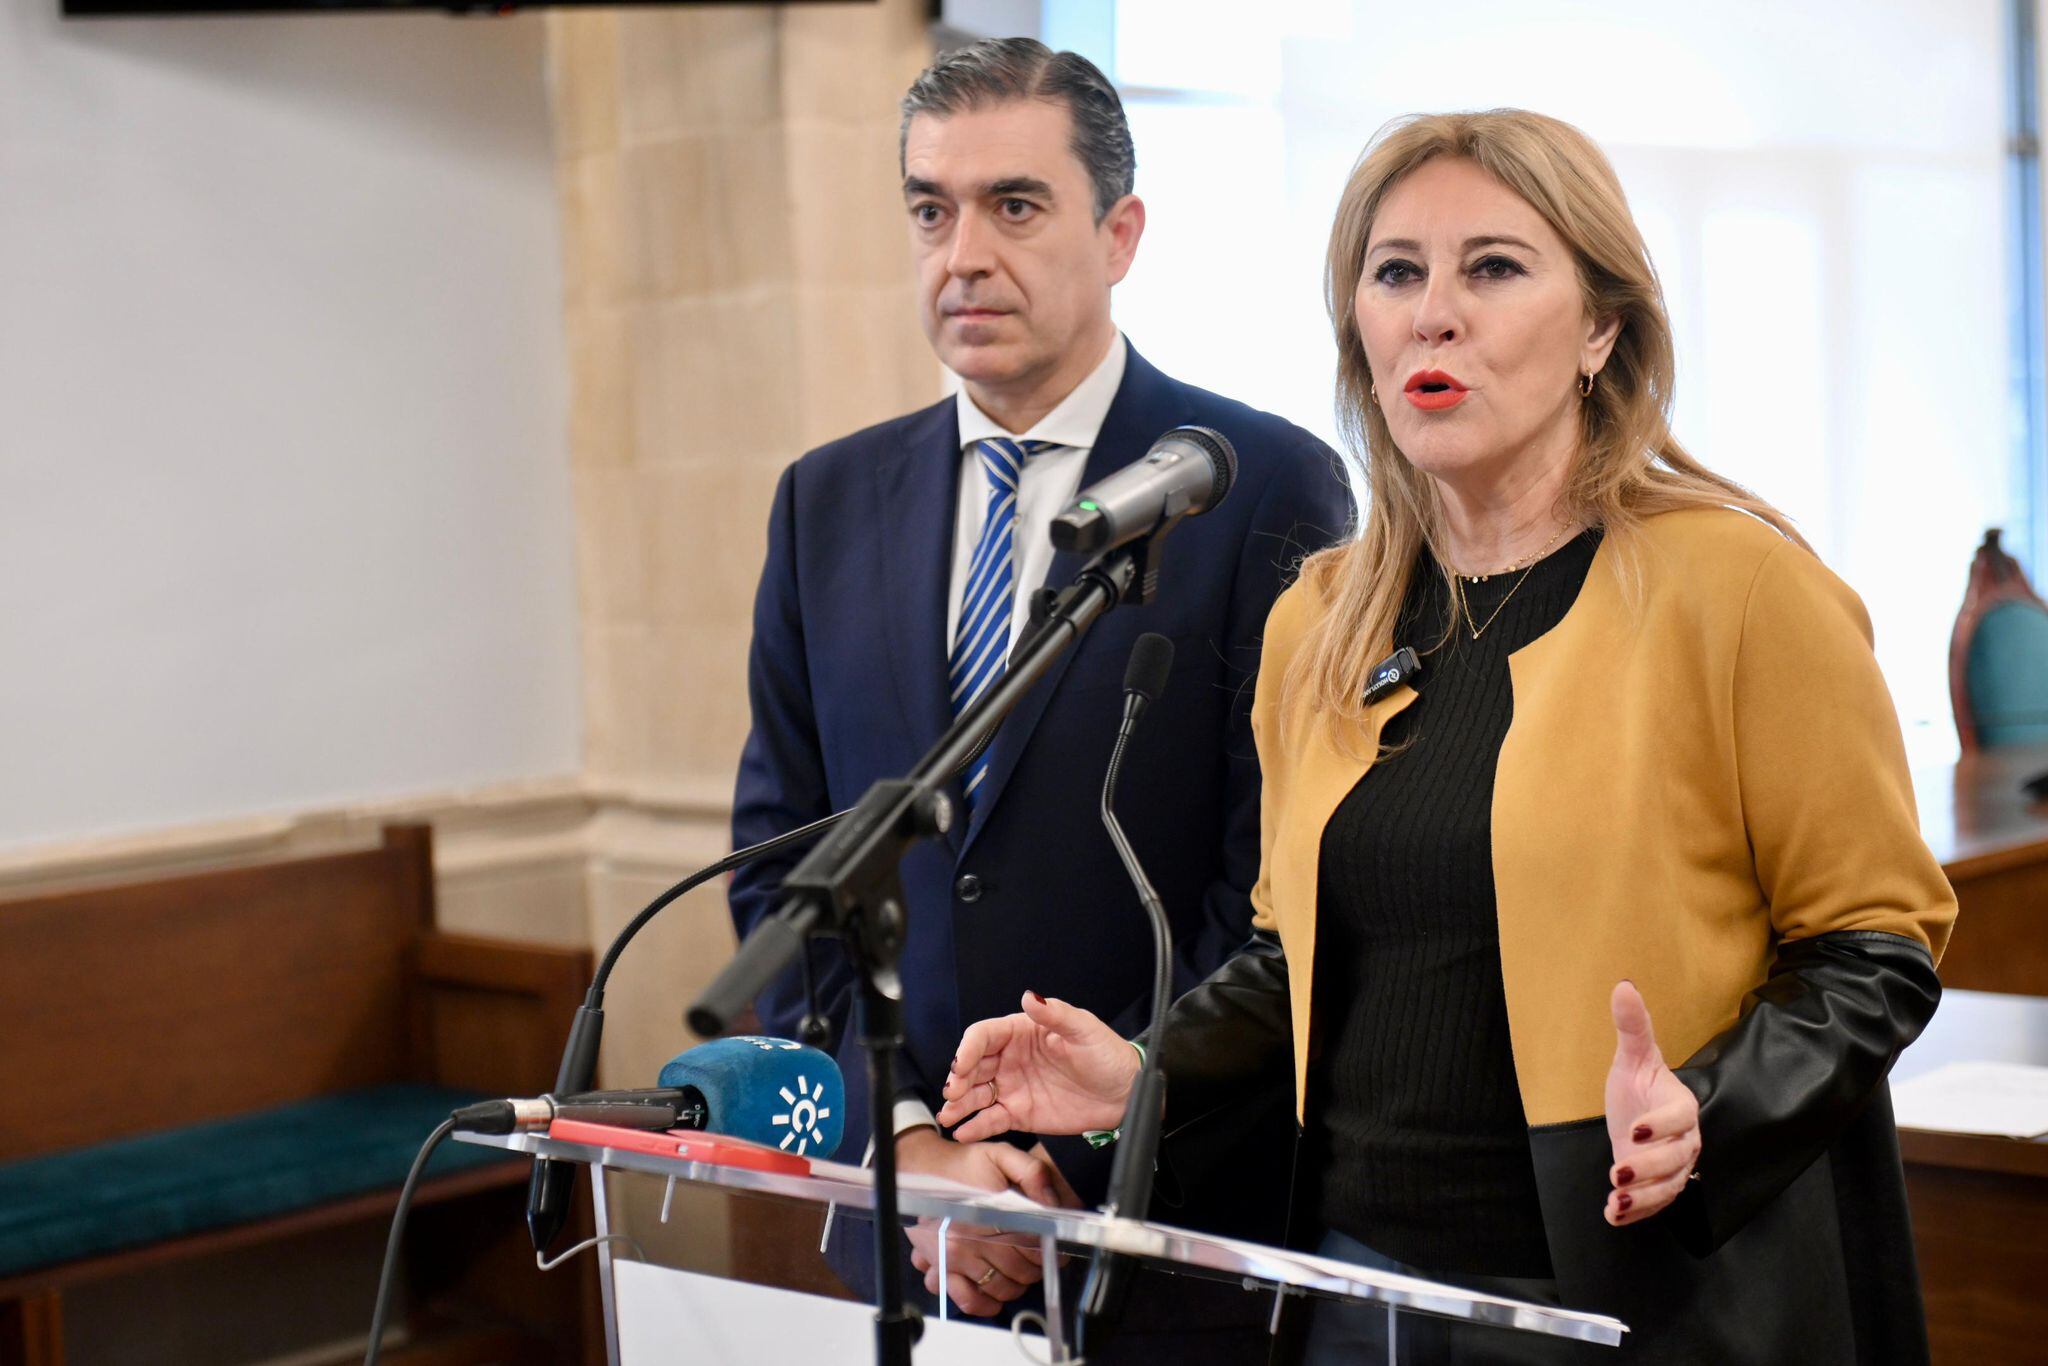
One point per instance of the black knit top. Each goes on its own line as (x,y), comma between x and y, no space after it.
(1413,1103)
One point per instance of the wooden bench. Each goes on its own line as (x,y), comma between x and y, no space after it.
(210,1062)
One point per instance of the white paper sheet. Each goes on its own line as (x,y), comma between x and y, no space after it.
(2003,1099)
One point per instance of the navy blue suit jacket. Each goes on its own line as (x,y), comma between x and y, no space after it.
(847,679)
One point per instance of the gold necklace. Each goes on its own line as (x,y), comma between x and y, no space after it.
(1527,565)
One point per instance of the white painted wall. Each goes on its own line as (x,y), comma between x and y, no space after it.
(284,491)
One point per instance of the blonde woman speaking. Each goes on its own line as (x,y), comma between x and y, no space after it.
(1588,947)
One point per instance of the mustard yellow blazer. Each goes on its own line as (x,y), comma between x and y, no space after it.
(1702,763)
(1703,790)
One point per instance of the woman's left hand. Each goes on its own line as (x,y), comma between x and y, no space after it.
(1653,1118)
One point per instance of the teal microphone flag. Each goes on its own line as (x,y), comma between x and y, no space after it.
(771,1091)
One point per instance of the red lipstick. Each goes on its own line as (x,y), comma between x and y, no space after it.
(1433,390)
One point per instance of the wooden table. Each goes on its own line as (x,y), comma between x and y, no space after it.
(1993,843)
(1980,1205)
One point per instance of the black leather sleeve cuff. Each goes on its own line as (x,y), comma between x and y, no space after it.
(1778,1087)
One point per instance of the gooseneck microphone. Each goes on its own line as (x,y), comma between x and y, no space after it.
(548,1193)
(1130,1173)
(769,1091)
(1187,472)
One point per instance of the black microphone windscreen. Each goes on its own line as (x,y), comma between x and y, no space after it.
(1151,662)
(1222,458)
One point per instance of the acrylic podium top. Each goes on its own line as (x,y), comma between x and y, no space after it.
(1179,1249)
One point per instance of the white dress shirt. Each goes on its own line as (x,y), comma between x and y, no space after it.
(1047,483)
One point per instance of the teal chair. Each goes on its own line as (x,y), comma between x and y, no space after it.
(1998,656)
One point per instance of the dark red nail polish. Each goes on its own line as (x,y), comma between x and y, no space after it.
(1624,1175)
(1642,1133)
(1036,997)
(1623,1201)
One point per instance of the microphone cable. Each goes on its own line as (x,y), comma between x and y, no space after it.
(388,1276)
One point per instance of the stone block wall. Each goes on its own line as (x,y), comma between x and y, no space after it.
(738,289)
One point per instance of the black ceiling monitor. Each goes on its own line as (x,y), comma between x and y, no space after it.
(111,9)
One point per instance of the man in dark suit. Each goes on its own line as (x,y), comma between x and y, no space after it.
(900,560)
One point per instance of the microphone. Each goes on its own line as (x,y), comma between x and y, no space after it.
(548,1193)
(1187,472)
(674,1108)
(1404,665)
(1145,677)
(771,1091)
(774,1092)
(1130,1174)
(839,876)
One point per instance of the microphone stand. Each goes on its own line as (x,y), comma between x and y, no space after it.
(1130,1172)
(547,1195)
(851,885)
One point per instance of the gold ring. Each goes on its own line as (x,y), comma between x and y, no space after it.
(984,1277)
(993,1097)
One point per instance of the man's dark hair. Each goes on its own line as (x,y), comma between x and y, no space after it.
(998,70)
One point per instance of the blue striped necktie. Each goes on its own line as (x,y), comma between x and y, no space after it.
(981,642)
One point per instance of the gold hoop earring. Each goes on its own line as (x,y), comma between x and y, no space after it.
(1586,385)
(1372,393)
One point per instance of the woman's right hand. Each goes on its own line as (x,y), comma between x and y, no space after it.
(1055,1069)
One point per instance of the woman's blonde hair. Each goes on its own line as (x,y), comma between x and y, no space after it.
(1628,465)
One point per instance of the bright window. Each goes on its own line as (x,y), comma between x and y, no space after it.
(1822,187)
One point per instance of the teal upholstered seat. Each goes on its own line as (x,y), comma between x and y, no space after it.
(92,1201)
(2007,674)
